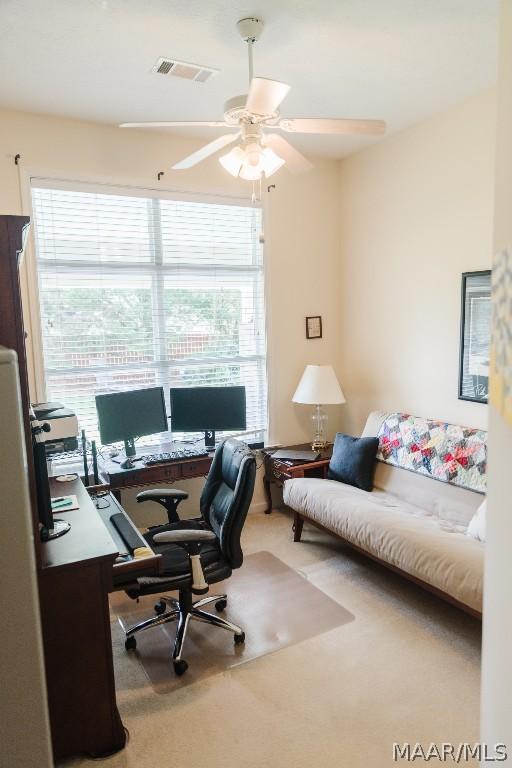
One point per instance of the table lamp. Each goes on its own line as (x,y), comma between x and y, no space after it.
(319,386)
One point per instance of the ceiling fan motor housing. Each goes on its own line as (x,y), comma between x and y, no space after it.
(251,133)
(250,29)
(235,113)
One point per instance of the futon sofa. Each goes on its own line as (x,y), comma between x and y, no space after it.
(430,478)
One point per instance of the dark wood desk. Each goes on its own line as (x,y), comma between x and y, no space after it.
(183,469)
(277,471)
(78,570)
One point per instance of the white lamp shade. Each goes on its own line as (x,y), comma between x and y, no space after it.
(250,171)
(271,162)
(319,386)
(232,162)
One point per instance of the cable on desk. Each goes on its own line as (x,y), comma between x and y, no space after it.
(98,505)
(96,499)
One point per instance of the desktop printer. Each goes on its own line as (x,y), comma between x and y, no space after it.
(63,434)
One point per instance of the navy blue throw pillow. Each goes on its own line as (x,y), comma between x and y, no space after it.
(353,460)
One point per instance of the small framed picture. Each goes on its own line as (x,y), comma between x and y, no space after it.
(314,327)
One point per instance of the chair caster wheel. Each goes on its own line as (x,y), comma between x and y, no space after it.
(130,643)
(160,607)
(180,667)
(239,639)
(220,605)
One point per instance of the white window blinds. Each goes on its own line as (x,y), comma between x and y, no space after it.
(138,291)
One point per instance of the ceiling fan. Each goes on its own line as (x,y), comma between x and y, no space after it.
(261,152)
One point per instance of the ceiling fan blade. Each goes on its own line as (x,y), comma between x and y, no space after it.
(176,124)
(265,95)
(295,161)
(206,151)
(332,125)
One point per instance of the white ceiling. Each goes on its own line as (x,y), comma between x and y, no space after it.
(397,60)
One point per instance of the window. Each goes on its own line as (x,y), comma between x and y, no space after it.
(144,291)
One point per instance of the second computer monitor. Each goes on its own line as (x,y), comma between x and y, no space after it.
(208,409)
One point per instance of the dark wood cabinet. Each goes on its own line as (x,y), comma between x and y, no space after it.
(277,471)
(13,235)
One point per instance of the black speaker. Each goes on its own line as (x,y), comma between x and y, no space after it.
(95,463)
(84,455)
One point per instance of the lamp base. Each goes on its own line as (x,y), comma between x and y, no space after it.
(320,425)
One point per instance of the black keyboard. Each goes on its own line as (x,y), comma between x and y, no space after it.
(131,538)
(178,455)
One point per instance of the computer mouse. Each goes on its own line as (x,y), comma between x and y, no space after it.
(127,464)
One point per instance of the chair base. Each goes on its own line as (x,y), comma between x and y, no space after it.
(183,611)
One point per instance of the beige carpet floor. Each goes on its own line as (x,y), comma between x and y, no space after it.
(406,669)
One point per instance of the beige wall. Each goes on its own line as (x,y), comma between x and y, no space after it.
(496,667)
(416,211)
(302,232)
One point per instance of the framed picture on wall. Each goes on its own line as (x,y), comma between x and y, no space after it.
(475,336)
(314,327)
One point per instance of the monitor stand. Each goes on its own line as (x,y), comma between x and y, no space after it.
(130,453)
(60,527)
(129,448)
(209,440)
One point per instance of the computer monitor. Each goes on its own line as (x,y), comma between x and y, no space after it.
(207,409)
(127,415)
(51,527)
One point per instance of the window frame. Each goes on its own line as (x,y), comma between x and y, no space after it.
(156,270)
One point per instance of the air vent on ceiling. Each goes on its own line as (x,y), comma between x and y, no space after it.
(183,69)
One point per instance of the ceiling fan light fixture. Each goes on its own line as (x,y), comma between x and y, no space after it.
(250,172)
(232,162)
(251,162)
(272,162)
(253,154)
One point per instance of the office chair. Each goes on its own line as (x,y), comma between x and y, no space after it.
(200,552)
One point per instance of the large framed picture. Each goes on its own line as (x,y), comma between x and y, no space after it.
(475,336)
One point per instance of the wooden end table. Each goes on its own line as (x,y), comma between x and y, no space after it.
(277,471)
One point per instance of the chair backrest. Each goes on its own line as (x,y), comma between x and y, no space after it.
(227,495)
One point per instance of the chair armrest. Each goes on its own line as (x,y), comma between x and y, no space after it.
(191,540)
(159,494)
(184,536)
(167,497)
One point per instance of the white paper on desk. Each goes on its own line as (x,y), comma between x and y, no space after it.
(61,507)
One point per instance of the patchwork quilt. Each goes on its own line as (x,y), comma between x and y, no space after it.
(446,452)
